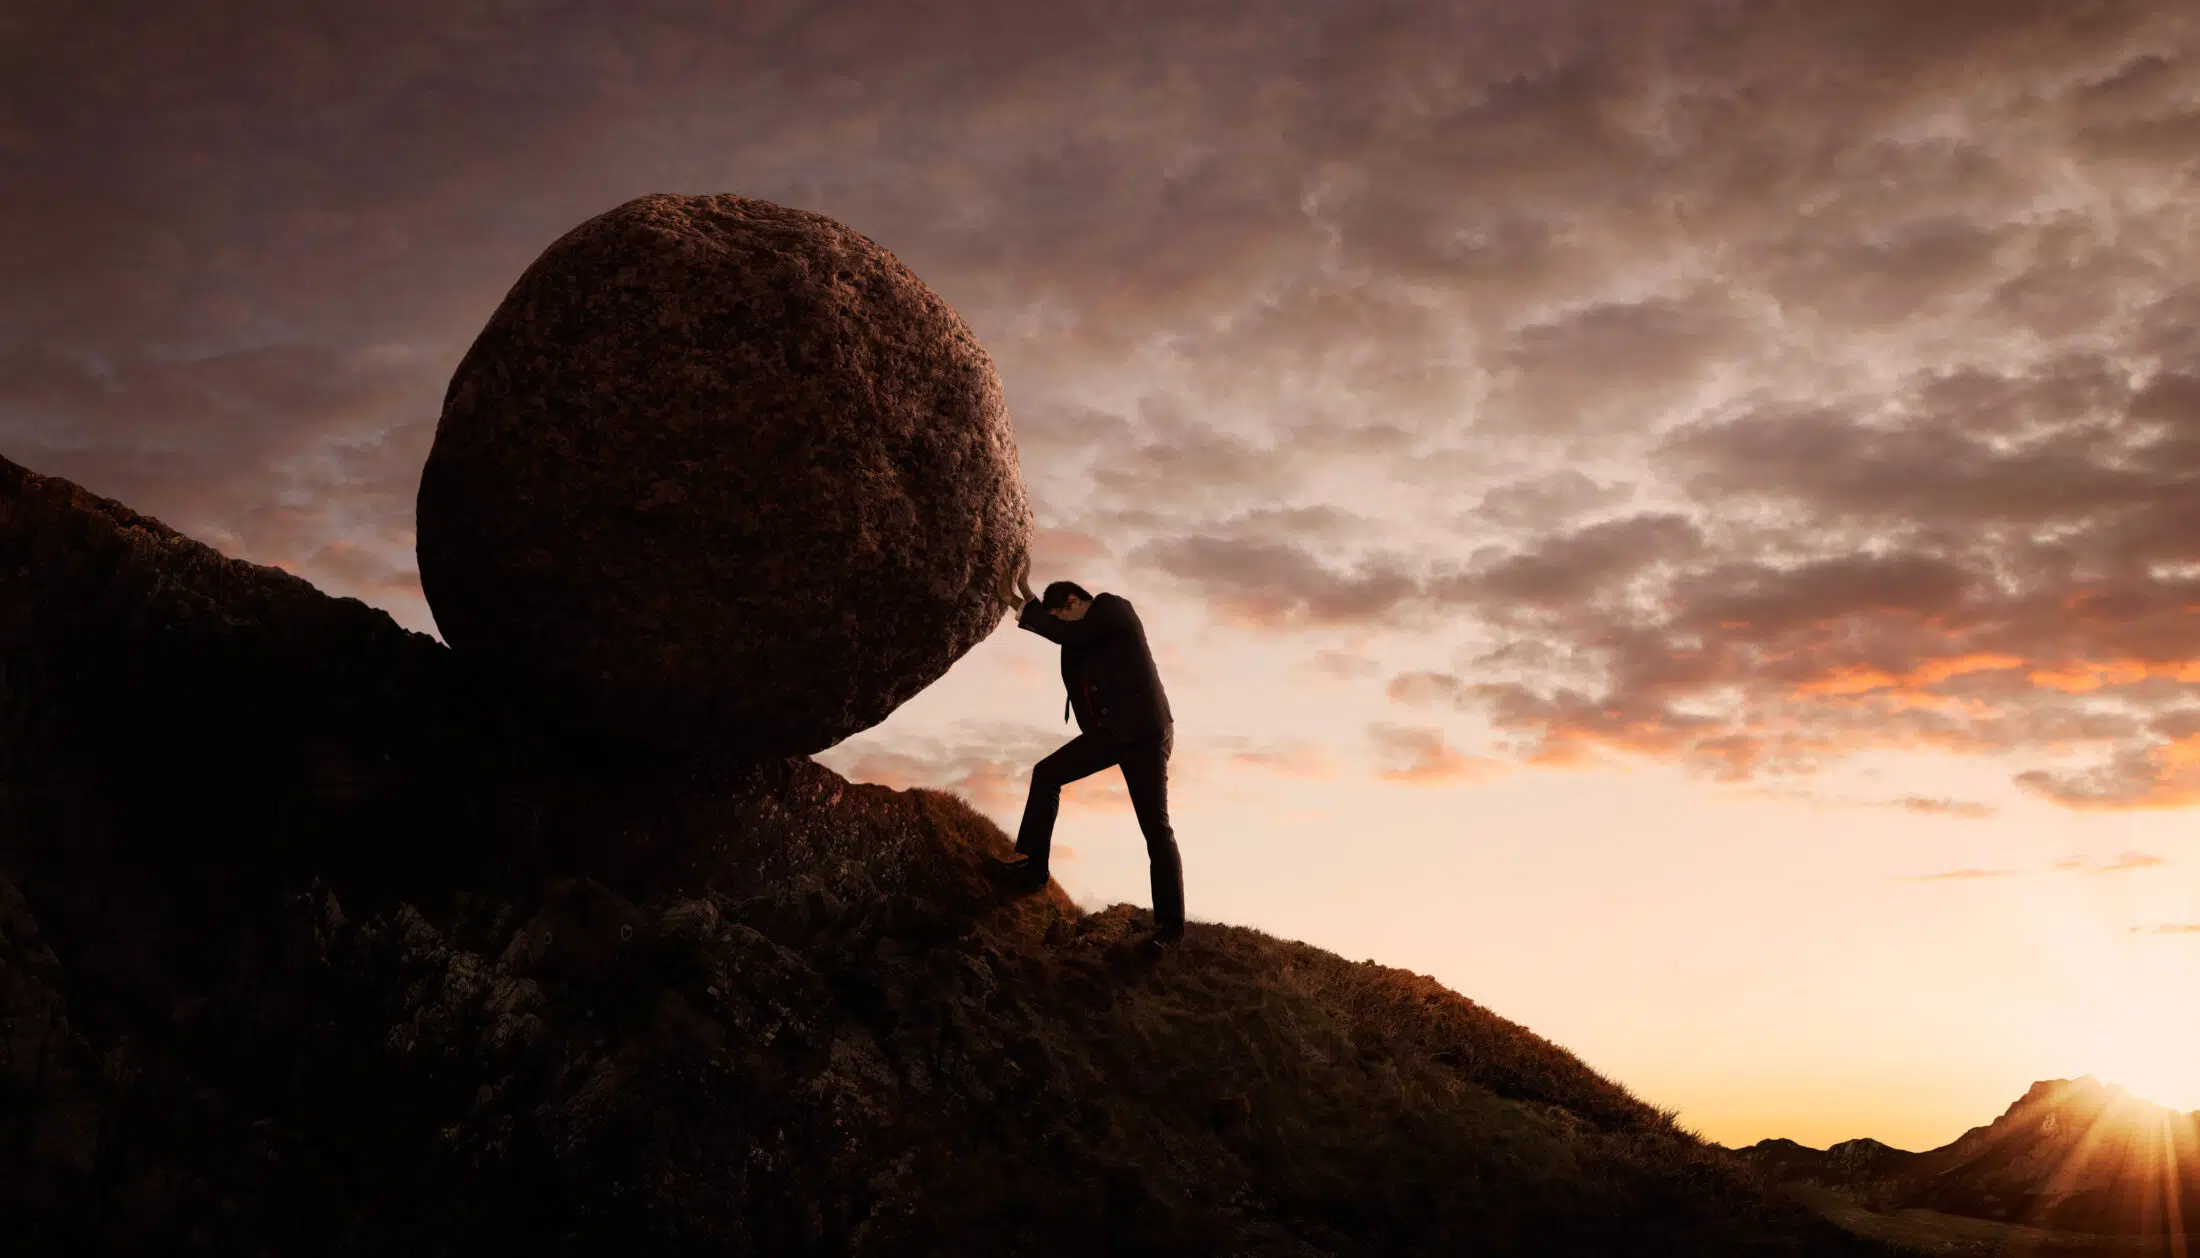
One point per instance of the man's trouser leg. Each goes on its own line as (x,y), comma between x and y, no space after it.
(1080,757)
(1146,773)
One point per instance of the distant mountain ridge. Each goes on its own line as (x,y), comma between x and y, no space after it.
(2074,1155)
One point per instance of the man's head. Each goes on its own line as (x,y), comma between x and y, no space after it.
(1066,600)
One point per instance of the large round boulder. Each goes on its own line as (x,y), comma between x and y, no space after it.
(719,470)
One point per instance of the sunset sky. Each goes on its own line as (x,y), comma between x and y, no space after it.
(1680,520)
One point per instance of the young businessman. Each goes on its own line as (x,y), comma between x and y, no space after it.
(1122,718)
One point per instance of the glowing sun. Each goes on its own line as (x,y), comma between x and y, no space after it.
(2151,1053)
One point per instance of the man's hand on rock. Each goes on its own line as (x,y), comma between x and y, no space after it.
(1008,590)
(1023,581)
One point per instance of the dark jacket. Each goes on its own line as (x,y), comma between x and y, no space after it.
(1107,668)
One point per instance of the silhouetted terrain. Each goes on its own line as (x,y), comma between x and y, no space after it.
(312,943)
(2070,1156)
(1852,1164)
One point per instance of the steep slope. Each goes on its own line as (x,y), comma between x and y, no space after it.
(2073,1155)
(312,943)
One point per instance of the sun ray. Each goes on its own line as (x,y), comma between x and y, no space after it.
(2173,1186)
(2070,1170)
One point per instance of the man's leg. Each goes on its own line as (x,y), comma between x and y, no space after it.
(1080,757)
(1146,773)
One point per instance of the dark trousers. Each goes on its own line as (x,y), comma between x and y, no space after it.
(1145,764)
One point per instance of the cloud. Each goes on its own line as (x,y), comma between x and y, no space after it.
(1648,354)
(2123,863)
(1550,501)
(1564,570)
(1297,759)
(1273,584)
(1343,665)
(2168,928)
(1968,810)
(1977,562)
(1746,387)
(2145,772)
(1420,689)
(1419,756)
(1054,550)
(1960,875)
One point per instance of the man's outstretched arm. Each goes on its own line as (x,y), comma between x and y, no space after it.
(1031,614)
(1109,615)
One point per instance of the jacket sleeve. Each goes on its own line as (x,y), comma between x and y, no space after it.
(1108,615)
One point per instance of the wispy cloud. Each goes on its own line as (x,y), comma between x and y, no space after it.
(2124,862)
(2168,928)
(1961,875)
(1969,810)
(1419,756)
(1335,665)
(1306,760)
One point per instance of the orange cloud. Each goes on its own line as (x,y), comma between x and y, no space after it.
(1857,680)
(1419,756)
(2162,776)
(2122,863)
(1934,806)
(1290,760)
(2084,677)
(1959,875)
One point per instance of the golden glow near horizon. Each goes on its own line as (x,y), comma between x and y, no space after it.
(1673,518)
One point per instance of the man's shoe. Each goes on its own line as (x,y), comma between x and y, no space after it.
(1021,873)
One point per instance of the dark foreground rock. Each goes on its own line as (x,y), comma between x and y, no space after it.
(310,943)
(721,470)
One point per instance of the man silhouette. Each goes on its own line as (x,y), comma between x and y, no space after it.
(1123,719)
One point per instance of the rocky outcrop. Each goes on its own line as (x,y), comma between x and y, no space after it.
(311,942)
(722,471)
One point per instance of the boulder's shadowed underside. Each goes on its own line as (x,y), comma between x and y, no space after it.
(312,943)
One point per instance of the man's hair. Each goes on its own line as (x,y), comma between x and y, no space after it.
(1057,594)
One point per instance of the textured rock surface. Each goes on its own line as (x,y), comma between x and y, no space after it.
(308,946)
(718,469)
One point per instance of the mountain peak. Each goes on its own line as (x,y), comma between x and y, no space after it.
(2076,1154)
(2054,1090)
